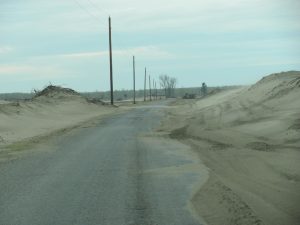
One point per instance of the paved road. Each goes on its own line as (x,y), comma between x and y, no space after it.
(113,172)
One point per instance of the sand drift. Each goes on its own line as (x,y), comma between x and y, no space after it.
(52,109)
(249,138)
(235,160)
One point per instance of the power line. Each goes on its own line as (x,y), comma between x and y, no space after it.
(96,6)
(121,43)
(88,12)
(97,19)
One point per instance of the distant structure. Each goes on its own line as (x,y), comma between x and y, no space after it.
(204,89)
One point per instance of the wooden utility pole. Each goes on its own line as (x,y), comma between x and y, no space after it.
(153,90)
(134,80)
(150,87)
(160,92)
(111,66)
(145,83)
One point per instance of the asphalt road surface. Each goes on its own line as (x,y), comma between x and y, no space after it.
(111,172)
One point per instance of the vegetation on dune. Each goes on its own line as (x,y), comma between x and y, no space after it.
(53,90)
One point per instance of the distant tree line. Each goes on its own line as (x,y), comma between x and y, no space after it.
(171,91)
(168,84)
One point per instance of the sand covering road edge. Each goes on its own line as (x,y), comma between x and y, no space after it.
(249,138)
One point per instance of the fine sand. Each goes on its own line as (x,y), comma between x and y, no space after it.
(54,110)
(249,138)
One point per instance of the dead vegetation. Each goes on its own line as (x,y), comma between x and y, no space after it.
(52,91)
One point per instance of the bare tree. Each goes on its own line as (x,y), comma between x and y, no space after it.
(173,83)
(163,79)
(168,84)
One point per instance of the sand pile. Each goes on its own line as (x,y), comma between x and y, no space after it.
(250,139)
(58,94)
(56,91)
(276,85)
(51,109)
(266,109)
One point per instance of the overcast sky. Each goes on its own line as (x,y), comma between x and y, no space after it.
(220,42)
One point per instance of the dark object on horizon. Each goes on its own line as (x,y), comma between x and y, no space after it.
(96,101)
(204,89)
(189,96)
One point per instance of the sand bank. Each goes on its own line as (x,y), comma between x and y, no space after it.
(249,138)
(51,110)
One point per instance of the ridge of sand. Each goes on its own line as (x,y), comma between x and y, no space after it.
(249,138)
(50,110)
(56,91)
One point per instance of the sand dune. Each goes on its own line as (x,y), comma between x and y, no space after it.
(249,138)
(52,109)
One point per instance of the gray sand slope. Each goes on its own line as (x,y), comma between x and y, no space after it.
(250,140)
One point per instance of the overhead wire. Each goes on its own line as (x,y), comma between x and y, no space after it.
(120,42)
(97,7)
(92,16)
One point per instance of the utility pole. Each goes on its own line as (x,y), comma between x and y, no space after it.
(160,92)
(150,87)
(134,80)
(153,90)
(111,66)
(145,83)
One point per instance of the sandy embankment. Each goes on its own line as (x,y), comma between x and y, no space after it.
(249,138)
(54,110)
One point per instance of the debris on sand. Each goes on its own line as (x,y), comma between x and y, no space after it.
(57,92)
(54,91)
(51,109)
